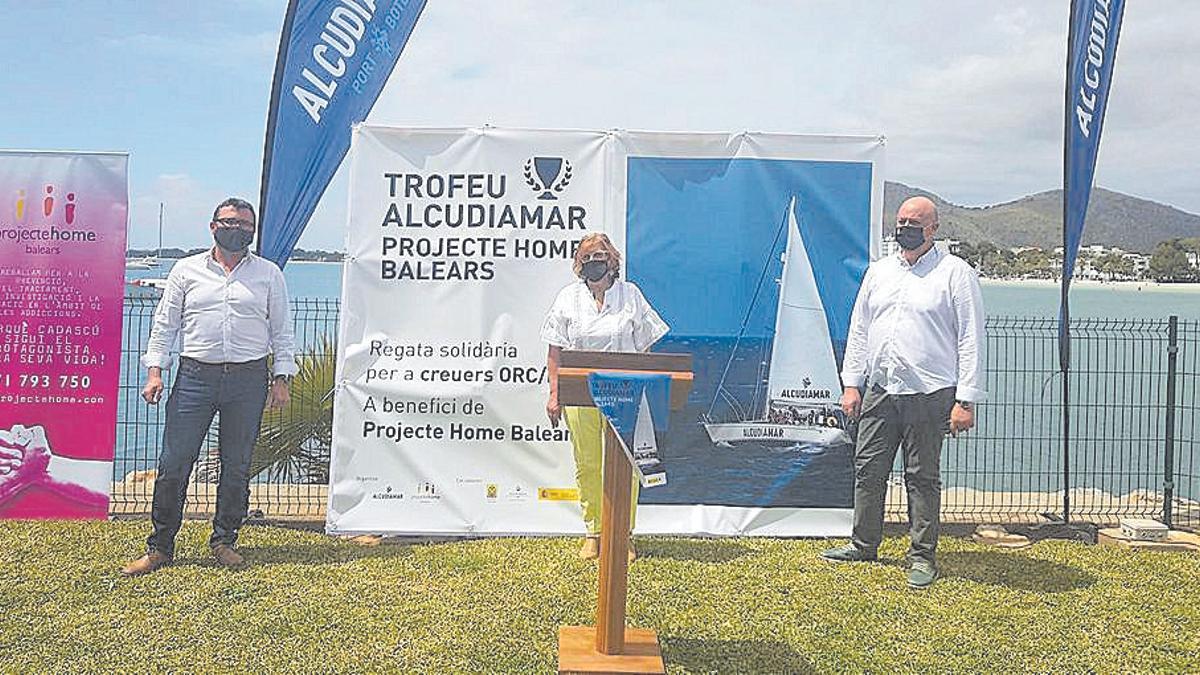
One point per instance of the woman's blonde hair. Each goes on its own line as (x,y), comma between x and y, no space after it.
(593,242)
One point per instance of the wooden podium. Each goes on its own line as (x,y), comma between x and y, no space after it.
(610,647)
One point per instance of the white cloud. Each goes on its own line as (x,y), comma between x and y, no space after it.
(970,97)
(188,208)
(217,49)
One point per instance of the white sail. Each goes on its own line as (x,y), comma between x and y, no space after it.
(803,367)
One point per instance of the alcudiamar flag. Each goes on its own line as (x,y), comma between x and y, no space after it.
(1091,53)
(334,58)
(1092,50)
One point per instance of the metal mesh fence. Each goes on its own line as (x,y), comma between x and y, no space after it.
(1183,469)
(1010,468)
(291,458)
(1133,450)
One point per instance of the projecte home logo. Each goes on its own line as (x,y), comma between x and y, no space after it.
(24,205)
(547,175)
(426,491)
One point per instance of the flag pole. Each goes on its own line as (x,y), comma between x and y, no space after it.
(1094,26)
(1064,318)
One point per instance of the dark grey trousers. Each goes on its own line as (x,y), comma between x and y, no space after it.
(917,423)
(238,392)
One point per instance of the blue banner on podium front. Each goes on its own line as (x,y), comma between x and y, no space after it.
(637,406)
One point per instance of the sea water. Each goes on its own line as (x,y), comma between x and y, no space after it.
(800,475)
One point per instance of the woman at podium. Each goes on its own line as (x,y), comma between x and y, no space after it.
(600,312)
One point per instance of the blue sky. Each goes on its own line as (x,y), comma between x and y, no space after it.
(181,86)
(968,94)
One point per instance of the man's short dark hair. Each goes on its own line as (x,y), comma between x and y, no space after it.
(239,204)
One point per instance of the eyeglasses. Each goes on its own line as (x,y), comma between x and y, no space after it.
(236,222)
(909,222)
(596,255)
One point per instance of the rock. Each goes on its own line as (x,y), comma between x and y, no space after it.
(996,535)
(146,476)
(1143,496)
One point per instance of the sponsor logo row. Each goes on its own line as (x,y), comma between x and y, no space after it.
(427,491)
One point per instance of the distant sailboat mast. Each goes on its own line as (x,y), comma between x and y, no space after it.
(160,219)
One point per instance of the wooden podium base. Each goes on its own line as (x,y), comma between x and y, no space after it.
(577,652)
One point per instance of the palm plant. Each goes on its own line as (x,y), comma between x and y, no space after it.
(294,444)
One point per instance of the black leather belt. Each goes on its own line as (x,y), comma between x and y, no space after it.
(228,367)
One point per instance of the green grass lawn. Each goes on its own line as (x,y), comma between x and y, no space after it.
(310,602)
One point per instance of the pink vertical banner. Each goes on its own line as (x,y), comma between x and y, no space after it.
(63,219)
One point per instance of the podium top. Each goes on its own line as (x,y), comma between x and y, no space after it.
(660,362)
(574,366)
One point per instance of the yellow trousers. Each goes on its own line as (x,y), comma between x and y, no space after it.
(587,438)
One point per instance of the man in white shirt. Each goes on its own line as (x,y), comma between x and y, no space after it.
(915,345)
(229,310)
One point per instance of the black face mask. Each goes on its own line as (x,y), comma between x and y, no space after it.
(595,270)
(910,238)
(233,239)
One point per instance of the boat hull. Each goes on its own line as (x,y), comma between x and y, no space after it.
(731,433)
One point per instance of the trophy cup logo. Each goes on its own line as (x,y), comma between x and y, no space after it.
(547,175)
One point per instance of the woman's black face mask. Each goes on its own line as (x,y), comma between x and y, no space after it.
(595,270)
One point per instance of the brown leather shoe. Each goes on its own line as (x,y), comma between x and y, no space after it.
(227,557)
(146,564)
(590,550)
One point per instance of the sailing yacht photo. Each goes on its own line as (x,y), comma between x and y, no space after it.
(802,387)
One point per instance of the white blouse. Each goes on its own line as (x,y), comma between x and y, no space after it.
(626,322)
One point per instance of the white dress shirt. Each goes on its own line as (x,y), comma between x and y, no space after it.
(223,317)
(918,328)
(625,323)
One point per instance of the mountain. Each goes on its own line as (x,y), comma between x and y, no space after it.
(1114,219)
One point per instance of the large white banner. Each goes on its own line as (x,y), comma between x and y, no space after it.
(460,239)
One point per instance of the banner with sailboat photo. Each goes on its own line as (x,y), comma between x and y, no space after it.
(751,247)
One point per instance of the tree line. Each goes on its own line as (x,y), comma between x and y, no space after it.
(297,254)
(1169,262)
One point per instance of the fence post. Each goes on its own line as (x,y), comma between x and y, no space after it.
(1169,440)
